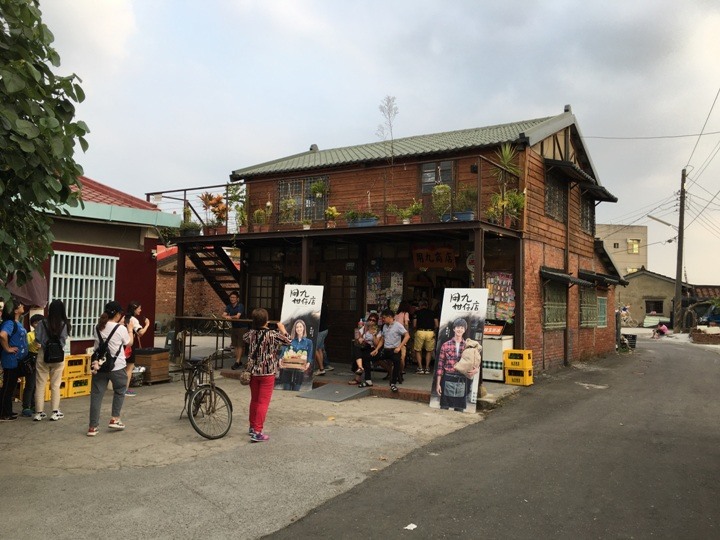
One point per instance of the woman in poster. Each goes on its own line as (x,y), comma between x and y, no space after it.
(452,386)
(296,358)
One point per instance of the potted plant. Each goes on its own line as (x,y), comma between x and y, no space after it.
(403,214)
(441,199)
(464,207)
(319,188)
(358,218)
(307,223)
(288,205)
(260,220)
(237,202)
(216,212)
(331,215)
(241,218)
(505,207)
(416,209)
(190,228)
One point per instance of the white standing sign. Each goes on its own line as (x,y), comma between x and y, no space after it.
(461,323)
(301,316)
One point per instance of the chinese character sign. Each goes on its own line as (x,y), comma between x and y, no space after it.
(301,316)
(458,352)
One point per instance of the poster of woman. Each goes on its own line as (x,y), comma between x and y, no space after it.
(301,316)
(459,350)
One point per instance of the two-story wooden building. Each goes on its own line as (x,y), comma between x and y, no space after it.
(549,279)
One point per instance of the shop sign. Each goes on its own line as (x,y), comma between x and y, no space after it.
(492,330)
(434,258)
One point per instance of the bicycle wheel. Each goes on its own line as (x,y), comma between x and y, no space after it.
(210,412)
(217,389)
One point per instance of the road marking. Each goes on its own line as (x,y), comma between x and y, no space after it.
(588,386)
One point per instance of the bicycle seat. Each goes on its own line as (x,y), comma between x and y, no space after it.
(194,361)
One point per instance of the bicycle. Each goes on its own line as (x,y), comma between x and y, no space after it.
(627,321)
(208,407)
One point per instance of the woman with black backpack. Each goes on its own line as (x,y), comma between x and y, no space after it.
(51,334)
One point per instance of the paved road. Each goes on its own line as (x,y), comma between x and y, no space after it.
(625,447)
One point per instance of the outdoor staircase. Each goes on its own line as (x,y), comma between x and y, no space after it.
(215,265)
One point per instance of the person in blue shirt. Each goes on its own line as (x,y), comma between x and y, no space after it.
(13,339)
(292,379)
(235,311)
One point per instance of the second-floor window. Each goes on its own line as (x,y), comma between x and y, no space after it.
(556,199)
(437,172)
(297,202)
(587,215)
(633,246)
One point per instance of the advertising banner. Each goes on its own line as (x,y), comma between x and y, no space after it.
(458,353)
(301,316)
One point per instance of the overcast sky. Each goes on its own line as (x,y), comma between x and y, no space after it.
(180,93)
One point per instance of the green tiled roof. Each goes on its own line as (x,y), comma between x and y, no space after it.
(406,147)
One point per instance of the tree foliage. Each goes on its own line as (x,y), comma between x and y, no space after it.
(38,136)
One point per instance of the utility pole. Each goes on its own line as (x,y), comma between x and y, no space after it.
(677,311)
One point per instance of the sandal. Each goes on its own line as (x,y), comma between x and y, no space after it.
(353,382)
(359,371)
(393,388)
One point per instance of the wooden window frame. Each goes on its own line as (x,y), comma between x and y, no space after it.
(556,198)
(436,172)
(588,307)
(554,305)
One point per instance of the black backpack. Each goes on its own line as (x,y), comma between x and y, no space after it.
(102,354)
(53,349)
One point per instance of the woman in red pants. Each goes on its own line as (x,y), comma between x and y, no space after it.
(263,359)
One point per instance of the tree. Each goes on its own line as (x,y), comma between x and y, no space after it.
(37,141)
(389,111)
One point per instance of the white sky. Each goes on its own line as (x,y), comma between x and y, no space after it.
(180,93)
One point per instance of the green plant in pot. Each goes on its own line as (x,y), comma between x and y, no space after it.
(190,228)
(441,199)
(288,205)
(319,188)
(465,203)
(260,218)
(505,207)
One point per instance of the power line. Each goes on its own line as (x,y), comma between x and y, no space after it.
(651,137)
(703,128)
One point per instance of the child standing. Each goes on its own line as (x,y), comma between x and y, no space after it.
(28,397)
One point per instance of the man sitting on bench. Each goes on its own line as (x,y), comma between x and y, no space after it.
(394,337)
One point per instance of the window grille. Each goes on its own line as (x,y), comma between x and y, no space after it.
(438,172)
(633,246)
(587,215)
(554,305)
(84,283)
(264,292)
(556,199)
(343,292)
(602,312)
(307,205)
(588,307)
(653,305)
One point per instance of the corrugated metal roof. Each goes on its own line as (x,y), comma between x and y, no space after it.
(406,147)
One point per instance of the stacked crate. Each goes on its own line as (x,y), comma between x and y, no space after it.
(518,367)
(75,378)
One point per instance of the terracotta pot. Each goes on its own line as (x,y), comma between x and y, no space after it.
(331,224)
(416,219)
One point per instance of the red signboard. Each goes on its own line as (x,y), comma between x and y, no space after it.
(441,257)
(492,330)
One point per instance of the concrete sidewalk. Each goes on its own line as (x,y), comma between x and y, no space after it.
(158,478)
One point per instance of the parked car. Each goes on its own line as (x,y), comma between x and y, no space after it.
(711,316)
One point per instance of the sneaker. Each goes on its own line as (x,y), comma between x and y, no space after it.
(130,393)
(92,431)
(394,388)
(39,416)
(28,412)
(259,437)
(236,365)
(251,431)
(57,415)
(116,424)
(319,372)
(328,367)
(9,418)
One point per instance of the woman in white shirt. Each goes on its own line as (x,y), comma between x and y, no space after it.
(111,368)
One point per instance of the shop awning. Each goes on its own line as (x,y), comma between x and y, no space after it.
(584,180)
(554,274)
(598,278)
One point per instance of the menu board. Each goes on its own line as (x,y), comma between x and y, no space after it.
(501,296)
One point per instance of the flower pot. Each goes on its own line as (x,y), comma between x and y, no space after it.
(306,227)
(212,230)
(190,232)
(363,222)
(467,215)
(445,218)
(406,221)
(242,229)
(416,219)
(331,224)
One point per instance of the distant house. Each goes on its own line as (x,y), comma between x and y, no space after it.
(627,245)
(104,251)
(552,285)
(650,293)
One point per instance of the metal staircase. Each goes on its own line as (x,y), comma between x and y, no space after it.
(216,267)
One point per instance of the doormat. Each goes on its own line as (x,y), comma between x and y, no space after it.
(336,392)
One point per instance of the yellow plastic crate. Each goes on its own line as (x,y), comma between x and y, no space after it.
(517,359)
(63,390)
(75,366)
(519,377)
(78,386)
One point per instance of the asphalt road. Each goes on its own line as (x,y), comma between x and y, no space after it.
(625,447)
